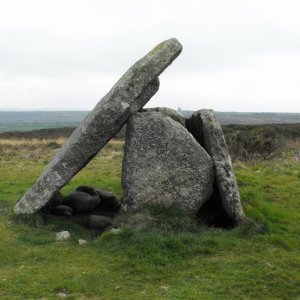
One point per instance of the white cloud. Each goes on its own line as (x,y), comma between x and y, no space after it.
(238,55)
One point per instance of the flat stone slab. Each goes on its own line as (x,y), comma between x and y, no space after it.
(126,97)
(163,164)
(208,131)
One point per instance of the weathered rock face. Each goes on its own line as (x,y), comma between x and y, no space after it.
(207,130)
(126,97)
(83,202)
(63,210)
(108,200)
(173,114)
(164,164)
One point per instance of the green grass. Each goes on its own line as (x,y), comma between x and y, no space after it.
(171,259)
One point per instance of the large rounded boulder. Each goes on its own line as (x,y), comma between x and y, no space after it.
(163,164)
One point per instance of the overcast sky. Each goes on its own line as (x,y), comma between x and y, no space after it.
(238,55)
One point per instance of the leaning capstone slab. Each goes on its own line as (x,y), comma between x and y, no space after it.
(164,164)
(126,97)
(208,131)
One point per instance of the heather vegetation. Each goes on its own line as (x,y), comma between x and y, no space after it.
(245,142)
(171,257)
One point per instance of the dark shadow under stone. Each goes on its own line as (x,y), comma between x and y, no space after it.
(213,214)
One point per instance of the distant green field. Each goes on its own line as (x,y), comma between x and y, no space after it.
(31,120)
(173,258)
(29,127)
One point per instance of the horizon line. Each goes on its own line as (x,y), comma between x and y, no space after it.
(23,109)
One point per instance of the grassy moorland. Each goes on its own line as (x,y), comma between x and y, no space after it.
(171,259)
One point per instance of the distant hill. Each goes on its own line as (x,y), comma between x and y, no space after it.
(32,120)
(253,118)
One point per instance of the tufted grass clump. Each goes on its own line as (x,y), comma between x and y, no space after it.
(157,247)
(158,217)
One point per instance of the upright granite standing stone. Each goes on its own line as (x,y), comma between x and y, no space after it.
(127,96)
(208,132)
(164,164)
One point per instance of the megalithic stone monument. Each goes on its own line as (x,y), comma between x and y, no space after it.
(132,91)
(207,130)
